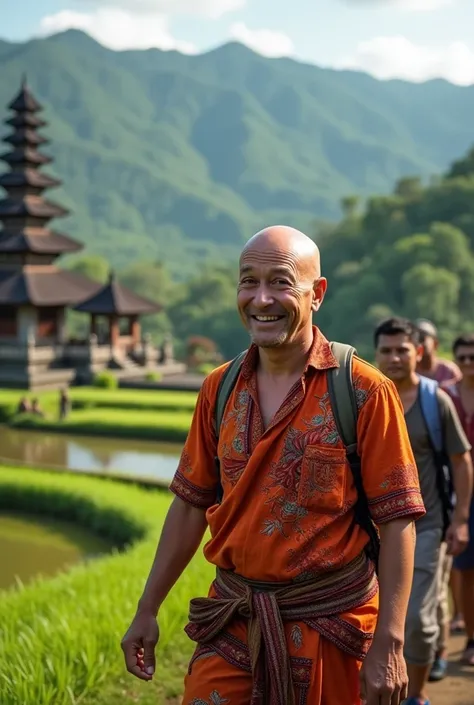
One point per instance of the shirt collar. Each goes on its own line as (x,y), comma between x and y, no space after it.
(320,356)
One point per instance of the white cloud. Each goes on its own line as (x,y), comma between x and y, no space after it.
(267,42)
(421,5)
(211,8)
(406,5)
(117,29)
(398,57)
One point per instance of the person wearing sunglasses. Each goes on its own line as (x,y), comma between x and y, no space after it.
(462,394)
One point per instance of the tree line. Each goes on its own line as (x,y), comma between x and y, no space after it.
(409,253)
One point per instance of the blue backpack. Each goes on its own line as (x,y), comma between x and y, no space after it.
(432,417)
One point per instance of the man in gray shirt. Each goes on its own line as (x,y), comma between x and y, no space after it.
(398,349)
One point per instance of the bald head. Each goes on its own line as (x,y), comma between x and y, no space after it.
(285,242)
(280,287)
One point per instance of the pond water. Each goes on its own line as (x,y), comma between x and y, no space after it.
(90,453)
(33,546)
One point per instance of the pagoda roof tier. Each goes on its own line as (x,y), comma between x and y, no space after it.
(54,287)
(25,136)
(33,206)
(25,101)
(115,299)
(28,177)
(37,241)
(25,120)
(25,155)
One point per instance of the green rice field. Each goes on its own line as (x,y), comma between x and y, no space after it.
(60,637)
(149,414)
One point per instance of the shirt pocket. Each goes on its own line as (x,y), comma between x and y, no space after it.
(323,479)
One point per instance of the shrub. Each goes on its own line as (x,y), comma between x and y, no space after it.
(105,380)
(153,376)
(205,368)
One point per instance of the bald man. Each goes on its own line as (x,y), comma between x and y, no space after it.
(294,609)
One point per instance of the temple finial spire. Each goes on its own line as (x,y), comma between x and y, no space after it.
(24,82)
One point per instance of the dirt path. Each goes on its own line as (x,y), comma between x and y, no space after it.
(458,687)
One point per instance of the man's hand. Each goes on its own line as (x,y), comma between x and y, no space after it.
(138,645)
(383,676)
(457,537)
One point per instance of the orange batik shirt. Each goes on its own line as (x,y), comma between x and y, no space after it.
(287,508)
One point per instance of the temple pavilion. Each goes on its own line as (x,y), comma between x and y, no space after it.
(35,351)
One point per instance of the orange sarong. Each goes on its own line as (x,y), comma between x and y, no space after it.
(273,675)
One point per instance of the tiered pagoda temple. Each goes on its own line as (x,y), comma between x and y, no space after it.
(34,292)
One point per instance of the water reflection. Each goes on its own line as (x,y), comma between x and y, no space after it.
(90,453)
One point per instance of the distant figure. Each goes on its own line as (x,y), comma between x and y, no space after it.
(167,350)
(64,404)
(35,407)
(23,406)
(440,531)
(430,365)
(462,395)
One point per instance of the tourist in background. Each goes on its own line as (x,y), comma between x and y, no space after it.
(23,406)
(462,395)
(64,404)
(430,365)
(445,372)
(398,350)
(283,535)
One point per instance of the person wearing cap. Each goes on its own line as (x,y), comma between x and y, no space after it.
(444,371)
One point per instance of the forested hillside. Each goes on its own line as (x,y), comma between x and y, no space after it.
(179,158)
(410,253)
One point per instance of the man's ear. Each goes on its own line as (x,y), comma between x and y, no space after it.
(319,291)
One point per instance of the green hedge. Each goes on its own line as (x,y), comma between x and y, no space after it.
(60,638)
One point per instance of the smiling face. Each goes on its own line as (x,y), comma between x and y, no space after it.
(279,287)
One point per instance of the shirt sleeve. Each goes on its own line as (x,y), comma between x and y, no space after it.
(196,480)
(389,471)
(456,442)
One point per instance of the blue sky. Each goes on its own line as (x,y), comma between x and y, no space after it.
(413,39)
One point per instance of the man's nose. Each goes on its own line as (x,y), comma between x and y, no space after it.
(263,296)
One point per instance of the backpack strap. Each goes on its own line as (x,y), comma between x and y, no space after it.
(226,385)
(345,413)
(431,412)
(432,417)
(342,396)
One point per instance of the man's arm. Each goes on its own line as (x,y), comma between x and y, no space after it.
(180,538)
(384,676)
(390,478)
(396,565)
(194,484)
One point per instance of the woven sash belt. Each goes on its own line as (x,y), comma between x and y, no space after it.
(267,606)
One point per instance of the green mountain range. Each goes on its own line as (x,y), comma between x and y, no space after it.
(174,157)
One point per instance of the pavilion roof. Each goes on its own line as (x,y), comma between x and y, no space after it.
(116,299)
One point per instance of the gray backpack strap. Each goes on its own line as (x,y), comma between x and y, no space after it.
(226,385)
(342,395)
(344,409)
